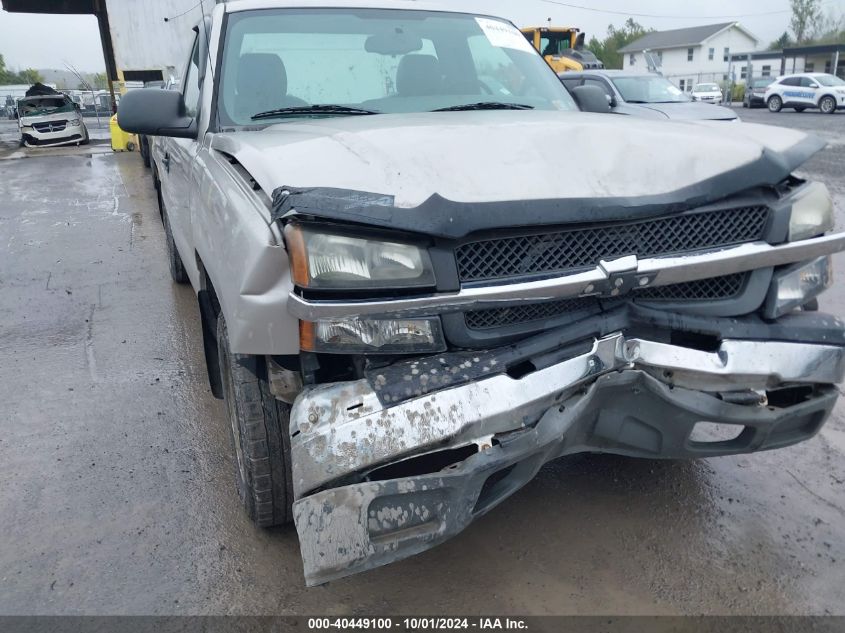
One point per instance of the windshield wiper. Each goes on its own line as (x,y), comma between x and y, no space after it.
(312,109)
(486,105)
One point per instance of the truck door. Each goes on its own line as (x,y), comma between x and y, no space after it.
(177,163)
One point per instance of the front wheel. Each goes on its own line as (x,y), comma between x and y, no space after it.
(775,103)
(259,425)
(827,105)
(174,260)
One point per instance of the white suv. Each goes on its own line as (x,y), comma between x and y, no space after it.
(806,90)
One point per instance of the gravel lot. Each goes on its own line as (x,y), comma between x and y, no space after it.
(117,484)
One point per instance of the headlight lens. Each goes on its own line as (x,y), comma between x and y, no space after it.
(329,261)
(797,285)
(812,212)
(74,122)
(361,336)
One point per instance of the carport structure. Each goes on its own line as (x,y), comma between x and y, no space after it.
(142,40)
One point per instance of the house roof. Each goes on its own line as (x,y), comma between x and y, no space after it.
(678,38)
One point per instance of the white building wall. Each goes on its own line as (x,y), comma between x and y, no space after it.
(142,40)
(676,65)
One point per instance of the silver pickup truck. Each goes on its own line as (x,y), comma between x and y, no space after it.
(423,271)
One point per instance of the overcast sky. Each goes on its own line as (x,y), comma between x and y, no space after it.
(48,41)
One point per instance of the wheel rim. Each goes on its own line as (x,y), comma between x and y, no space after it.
(774,103)
(827,105)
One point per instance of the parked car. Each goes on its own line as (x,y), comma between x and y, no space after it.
(755,92)
(707,93)
(806,90)
(408,308)
(50,120)
(646,95)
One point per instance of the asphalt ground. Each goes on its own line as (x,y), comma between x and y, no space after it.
(117,490)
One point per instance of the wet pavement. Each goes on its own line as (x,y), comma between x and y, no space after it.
(117,487)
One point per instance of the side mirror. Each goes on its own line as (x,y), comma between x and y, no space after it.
(155,112)
(591,99)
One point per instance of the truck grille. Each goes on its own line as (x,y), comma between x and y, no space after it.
(526,313)
(715,289)
(577,248)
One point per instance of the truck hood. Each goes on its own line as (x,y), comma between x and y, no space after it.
(691,111)
(548,166)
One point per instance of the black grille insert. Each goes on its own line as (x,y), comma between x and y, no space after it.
(526,313)
(576,248)
(715,289)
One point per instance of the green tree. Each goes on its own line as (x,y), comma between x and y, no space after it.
(607,50)
(29,76)
(100,81)
(26,76)
(806,16)
(784,41)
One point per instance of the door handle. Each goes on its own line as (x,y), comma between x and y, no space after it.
(167,162)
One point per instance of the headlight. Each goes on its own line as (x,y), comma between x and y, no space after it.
(361,336)
(812,213)
(797,285)
(74,122)
(329,261)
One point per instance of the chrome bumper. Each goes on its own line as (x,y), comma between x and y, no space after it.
(625,396)
(344,429)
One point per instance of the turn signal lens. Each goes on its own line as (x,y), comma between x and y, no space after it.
(797,285)
(384,336)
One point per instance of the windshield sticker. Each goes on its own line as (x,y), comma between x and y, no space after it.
(502,35)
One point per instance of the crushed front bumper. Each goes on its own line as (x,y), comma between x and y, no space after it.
(376,482)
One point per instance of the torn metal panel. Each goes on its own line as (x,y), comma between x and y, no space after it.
(358,527)
(345,429)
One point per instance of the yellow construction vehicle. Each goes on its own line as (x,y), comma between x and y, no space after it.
(562,48)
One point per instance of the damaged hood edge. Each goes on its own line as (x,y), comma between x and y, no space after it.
(355,171)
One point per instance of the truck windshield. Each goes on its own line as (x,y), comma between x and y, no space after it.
(291,63)
(648,89)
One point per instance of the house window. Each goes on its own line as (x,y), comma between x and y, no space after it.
(725,77)
(767,71)
(727,53)
(809,67)
(632,59)
(711,54)
(743,73)
(690,53)
(827,67)
(682,84)
(660,57)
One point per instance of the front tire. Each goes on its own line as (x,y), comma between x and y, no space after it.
(259,425)
(827,105)
(775,103)
(174,260)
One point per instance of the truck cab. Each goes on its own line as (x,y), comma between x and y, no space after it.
(408,310)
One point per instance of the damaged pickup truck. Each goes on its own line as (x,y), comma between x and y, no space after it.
(409,308)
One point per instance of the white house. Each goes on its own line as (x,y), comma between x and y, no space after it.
(692,55)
